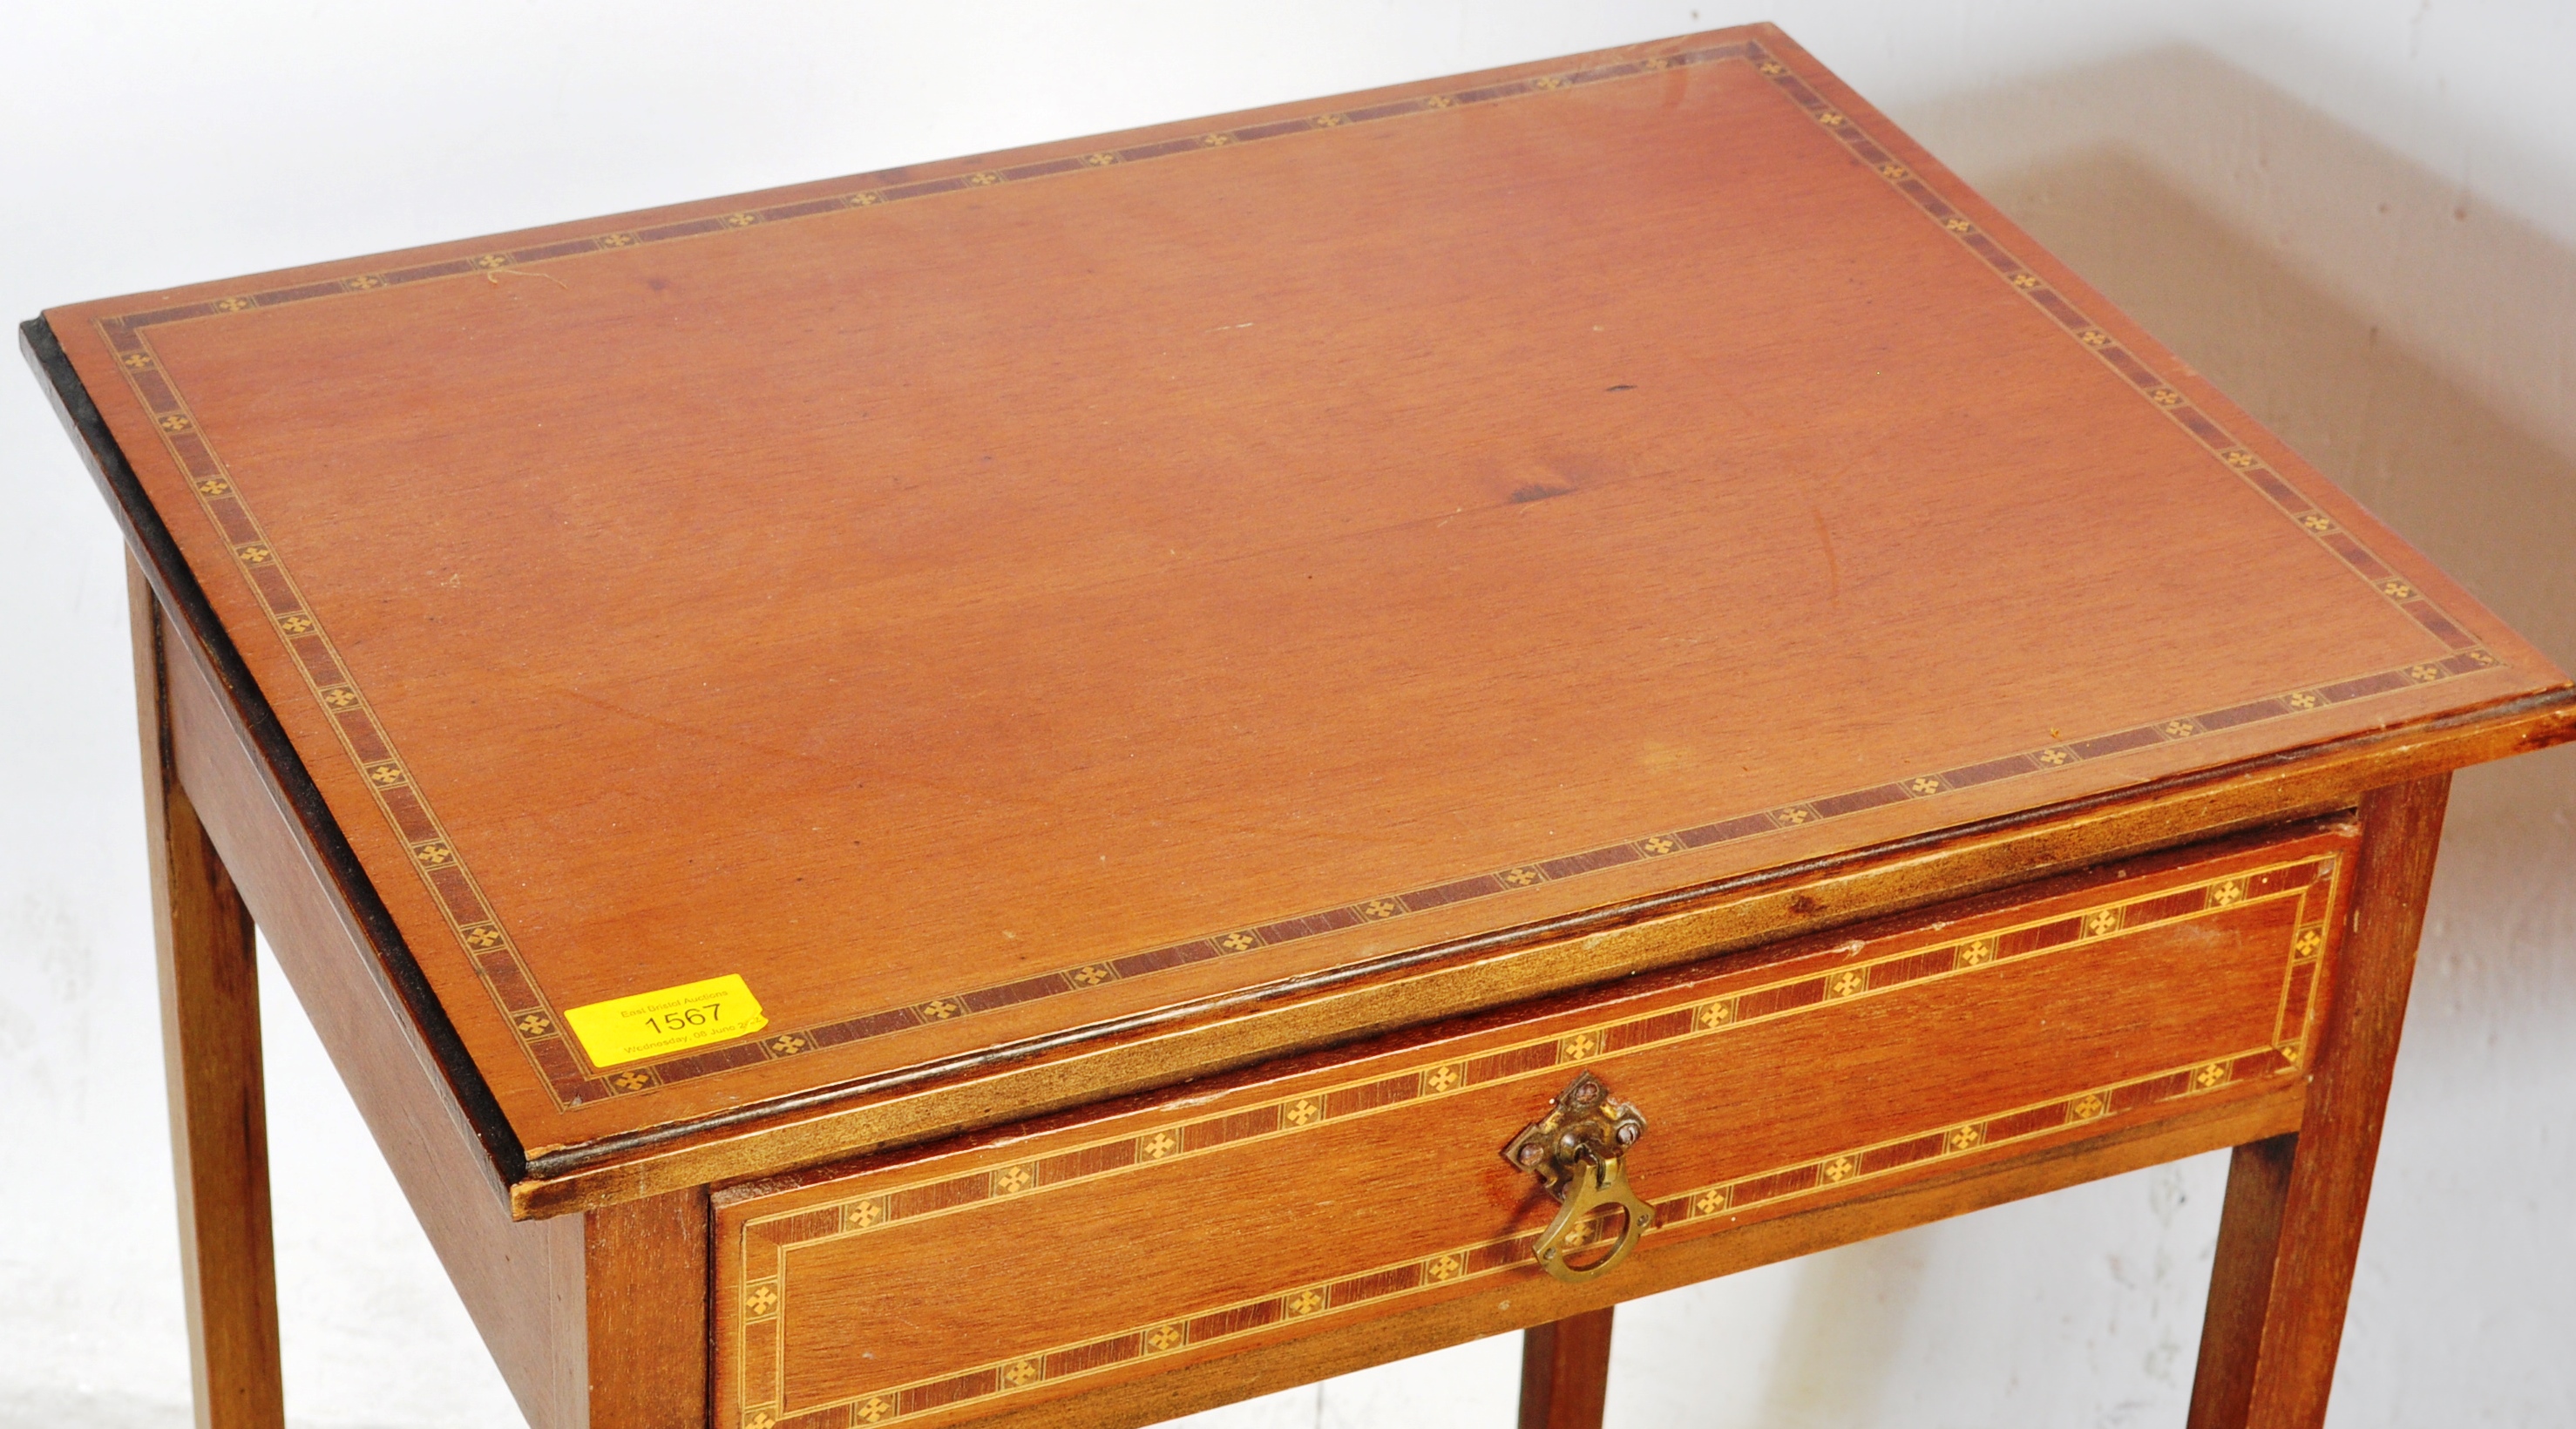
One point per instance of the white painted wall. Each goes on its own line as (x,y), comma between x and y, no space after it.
(2358,216)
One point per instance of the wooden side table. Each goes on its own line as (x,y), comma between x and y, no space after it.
(1067,786)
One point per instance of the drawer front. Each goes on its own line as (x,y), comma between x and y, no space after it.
(1009,1268)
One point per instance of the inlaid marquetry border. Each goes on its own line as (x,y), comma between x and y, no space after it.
(494,954)
(2164,396)
(869,195)
(1319,1300)
(1885,973)
(760,1244)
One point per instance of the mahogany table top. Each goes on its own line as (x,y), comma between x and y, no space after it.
(980,602)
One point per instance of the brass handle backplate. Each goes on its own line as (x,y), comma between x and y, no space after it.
(1577,1151)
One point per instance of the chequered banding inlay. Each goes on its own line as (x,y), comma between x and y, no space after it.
(1906,968)
(494,954)
(763,1241)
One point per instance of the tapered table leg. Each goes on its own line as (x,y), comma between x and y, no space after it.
(2291,1227)
(1565,1372)
(210,1041)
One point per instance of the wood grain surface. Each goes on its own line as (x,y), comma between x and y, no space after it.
(209,976)
(521,1282)
(645,1288)
(1346,1187)
(2292,1228)
(1565,1372)
(985,603)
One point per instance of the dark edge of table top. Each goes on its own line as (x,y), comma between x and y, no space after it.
(149,541)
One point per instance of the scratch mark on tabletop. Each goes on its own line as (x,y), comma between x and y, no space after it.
(1825,538)
(493,277)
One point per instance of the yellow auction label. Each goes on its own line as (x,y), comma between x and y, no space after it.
(654,1024)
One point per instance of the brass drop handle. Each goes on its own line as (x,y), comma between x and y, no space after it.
(1577,1150)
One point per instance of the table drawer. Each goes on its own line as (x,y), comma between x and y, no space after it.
(1000,1270)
